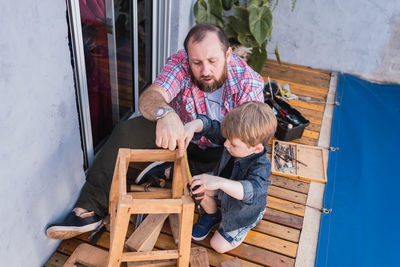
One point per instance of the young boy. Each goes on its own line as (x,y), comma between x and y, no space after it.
(240,179)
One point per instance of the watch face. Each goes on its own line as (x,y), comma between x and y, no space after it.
(159,112)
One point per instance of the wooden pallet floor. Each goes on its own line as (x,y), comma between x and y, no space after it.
(274,241)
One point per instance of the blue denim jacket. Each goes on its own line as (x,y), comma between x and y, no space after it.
(252,172)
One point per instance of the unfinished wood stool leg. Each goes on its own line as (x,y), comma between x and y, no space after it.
(185,233)
(119,234)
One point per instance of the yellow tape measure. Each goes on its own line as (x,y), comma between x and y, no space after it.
(187,166)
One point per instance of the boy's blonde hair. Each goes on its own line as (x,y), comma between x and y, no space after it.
(251,122)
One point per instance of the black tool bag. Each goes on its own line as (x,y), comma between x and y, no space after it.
(291,123)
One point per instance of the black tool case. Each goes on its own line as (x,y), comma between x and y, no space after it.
(283,132)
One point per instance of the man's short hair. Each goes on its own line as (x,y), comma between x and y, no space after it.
(199,31)
(251,122)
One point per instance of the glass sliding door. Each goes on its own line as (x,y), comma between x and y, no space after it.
(112,44)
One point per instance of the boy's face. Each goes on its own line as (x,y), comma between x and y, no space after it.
(239,149)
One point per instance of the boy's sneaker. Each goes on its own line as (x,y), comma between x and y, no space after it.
(74,225)
(204,225)
(157,169)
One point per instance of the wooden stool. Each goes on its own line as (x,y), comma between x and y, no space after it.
(123,204)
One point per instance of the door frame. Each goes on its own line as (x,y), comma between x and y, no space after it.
(161,29)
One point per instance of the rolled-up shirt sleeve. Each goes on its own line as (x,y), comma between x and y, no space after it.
(248,191)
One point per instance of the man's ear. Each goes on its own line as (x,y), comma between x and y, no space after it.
(228,54)
(258,148)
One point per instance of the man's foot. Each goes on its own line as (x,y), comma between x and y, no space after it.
(157,169)
(204,225)
(74,225)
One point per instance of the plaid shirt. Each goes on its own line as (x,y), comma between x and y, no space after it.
(242,85)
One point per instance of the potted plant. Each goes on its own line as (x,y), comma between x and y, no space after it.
(248,23)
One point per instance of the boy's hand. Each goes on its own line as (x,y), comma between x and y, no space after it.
(208,182)
(205,182)
(190,128)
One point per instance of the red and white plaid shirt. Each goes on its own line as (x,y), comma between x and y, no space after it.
(243,84)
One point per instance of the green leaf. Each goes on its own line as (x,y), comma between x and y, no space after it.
(258,57)
(238,25)
(278,57)
(247,40)
(200,11)
(260,23)
(202,14)
(258,3)
(216,8)
(241,13)
(230,32)
(227,4)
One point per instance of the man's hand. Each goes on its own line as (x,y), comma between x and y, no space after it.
(170,133)
(190,128)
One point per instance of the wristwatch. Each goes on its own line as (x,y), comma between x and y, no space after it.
(162,111)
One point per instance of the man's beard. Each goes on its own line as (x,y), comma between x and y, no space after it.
(209,87)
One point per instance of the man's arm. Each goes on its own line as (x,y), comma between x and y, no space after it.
(151,99)
(169,129)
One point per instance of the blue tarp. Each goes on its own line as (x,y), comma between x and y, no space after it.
(363,188)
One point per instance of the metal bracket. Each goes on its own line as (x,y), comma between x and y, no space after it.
(331,148)
(326,211)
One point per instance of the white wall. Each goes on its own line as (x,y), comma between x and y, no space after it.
(182,20)
(40,149)
(355,36)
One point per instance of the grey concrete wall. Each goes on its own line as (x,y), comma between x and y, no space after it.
(355,36)
(40,149)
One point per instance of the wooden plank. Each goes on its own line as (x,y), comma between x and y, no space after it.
(231,263)
(68,246)
(185,233)
(140,188)
(317,93)
(145,236)
(149,206)
(174,224)
(271,243)
(307,105)
(56,260)
(310,134)
(119,230)
(278,230)
(149,155)
(150,255)
(276,64)
(302,76)
(306,141)
(166,242)
(89,255)
(152,263)
(177,180)
(285,206)
(283,218)
(151,195)
(248,252)
(311,115)
(314,127)
(287,194)
(294,185)
(199,257)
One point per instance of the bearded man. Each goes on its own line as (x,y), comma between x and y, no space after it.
(205,78)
